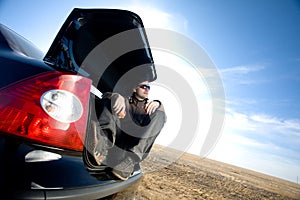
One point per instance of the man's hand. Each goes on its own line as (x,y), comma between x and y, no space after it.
(118,105)
(151,107)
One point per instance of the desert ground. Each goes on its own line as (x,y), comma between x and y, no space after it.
(192,177)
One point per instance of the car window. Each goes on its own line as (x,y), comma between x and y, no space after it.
(19,44)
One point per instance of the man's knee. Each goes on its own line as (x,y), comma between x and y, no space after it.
(158,116)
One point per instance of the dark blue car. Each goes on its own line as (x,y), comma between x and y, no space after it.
(48,104)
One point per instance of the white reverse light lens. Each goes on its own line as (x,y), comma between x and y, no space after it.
(62,105)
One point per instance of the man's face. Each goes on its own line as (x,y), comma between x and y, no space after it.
(142,90)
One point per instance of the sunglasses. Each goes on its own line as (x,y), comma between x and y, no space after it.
(144,87)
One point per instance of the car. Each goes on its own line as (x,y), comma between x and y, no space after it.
(48,103)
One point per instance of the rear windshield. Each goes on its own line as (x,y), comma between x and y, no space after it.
(19,44)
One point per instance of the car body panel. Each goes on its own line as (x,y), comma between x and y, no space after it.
(29,170)
(63,178)
(18,63)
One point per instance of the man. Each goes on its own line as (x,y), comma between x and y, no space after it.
(129,127)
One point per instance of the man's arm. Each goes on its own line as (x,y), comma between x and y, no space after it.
(154,105)
(117,102)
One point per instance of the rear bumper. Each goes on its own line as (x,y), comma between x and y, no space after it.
(64,178)
(91,192)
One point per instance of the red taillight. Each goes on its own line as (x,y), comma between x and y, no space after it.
(50,109)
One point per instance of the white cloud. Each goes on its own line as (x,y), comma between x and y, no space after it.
(241,74)
(261,143)
(155,18)
(238,121)
(242,69)
(265,119)
(264,126)
(284,127)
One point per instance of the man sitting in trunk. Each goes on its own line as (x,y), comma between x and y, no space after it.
(128,129)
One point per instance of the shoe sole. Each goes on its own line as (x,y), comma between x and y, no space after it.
(119,176)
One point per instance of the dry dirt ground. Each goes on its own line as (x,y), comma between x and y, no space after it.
(191,177)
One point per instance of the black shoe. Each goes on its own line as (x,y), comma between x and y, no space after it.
(124,169)
(98,144)
(101,147)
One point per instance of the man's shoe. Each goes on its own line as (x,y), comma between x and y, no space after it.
(98,144)
(124,169)
(101,147)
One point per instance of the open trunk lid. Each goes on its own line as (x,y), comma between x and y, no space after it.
(111,48)
(107,45)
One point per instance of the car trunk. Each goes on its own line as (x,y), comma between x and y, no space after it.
(108,46)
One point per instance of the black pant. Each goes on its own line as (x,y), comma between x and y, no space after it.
(128,138)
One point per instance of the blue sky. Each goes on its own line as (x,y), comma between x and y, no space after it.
(255,46)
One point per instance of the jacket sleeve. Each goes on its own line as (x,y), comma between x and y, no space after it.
(161,107)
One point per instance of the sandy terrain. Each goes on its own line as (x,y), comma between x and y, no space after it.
(191,177)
